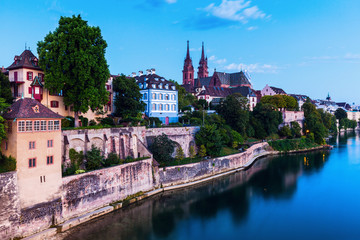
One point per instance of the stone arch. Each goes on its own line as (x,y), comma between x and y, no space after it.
(177,145)
(77,144)
(192,144)
(98,143)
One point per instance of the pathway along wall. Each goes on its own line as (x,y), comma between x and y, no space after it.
(191,172)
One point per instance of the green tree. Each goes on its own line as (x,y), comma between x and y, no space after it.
(179,154)
(192,152)
(235,110)
(162,148)
(340,113)
(210,137)
(184,98)
(314,127)
(73,60)
(94,159)
(295,129)
(265,119)
(5,89)
(202,151)
(128,99)
(285,132)
(281,101)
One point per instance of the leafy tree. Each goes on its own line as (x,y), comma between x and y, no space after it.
(179,154)
(73,60)
(162,149)
(202,151)
(3,107)
(265,120)
(285,132)
(76,158)
(295,129)
(210,137)
(340,113)
(184,98)
(94,158)
(201,104)
(235,110)
(128,99)
(112,159)
(5,89)
(314,127)
(280,101)
(192,152)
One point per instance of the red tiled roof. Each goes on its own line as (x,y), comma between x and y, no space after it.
(26,108)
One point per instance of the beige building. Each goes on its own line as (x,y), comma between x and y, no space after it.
(27,80)
(34,139)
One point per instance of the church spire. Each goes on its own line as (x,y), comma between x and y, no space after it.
(188,71)
(203,68)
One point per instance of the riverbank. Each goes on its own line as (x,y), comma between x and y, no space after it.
(219,167)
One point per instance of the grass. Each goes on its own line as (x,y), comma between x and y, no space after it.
(286,145)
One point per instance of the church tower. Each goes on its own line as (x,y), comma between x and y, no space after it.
(188,71)
(203,67)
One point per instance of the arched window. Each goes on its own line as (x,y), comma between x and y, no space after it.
(167,97)
(160,107)
(167,107)
(173,107)
(153,96)
(154,106)
(160,96)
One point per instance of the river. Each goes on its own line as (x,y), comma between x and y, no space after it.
(300,196)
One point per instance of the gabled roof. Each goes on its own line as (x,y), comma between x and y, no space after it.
(278,90)
(300,97)
(26,60)
(244,91)
(29,108)
(151,79)
(223,77)
(216,91)
(239,78)
(203,81)
(36,82)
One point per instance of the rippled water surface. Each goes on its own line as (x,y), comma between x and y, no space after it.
(303,196)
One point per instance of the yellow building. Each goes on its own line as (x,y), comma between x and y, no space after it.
(27,80)
(34,139)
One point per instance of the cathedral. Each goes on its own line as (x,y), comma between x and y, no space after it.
(217,86)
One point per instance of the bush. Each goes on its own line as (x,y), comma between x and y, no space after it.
(7,164)
(76,158)
(285,132)
(107,121)
(94,159)
(179,154)
(67,122)
(292,144)
(92,122)
(84,121)
(112,159)
(162,149)
(210,137)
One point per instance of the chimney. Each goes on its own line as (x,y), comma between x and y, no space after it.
(133,74)
(148,71)
(141,73)
(153,71)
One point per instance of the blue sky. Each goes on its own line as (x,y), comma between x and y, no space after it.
(304,47)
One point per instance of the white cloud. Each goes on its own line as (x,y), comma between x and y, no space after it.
(236,10)
(170,1)
(252,28)
(216,60)
(352,56)
(212,58)
(254,68)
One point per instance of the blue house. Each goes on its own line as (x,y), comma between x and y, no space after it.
(159,95)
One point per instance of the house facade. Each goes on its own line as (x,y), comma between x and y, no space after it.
(271,91)
(34,140)
(27,81)
(159,95)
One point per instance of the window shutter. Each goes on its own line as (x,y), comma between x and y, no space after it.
(30,90)
(27,75)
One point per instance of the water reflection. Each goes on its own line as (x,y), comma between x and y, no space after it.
(173,214)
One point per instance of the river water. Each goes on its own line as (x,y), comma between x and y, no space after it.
(299,196)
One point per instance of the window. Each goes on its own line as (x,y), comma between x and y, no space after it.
(173,107)
(174,97)
(167,97)
(15,76)
(50,125)
(167,107)
(160,107)
(49,160)
(43,125)
(6,145)
(145,96)
(160,96)
(29,76)
(56,125)
(190,76)
(21,126)
(49,143)
(29,126)
(30,90)
(32,162)
(154,106)
(36,125)
(54,104)
(153,96)
(32,145)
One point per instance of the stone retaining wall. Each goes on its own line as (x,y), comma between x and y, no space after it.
(195,171)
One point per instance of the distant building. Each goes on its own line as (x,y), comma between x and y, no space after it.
(247,92)
(292,116)
(216,87)
(159,95)
(271,91)
(34,139)
(27,81)
(301,99)
(344,105)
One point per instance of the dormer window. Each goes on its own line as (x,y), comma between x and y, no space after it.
(173,87)
(153,86)
(167,86)
(160,85)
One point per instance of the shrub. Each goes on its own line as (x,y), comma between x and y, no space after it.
(162,148)
(7,164)
(92,122)
(112,159)
(67,122)
(76,158)
(202,151)
(192,152)
(285,132)
(94,158)
(179,154)
(210,137)
(107,121)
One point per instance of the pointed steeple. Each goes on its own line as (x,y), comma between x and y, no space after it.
(203,68)
(188,70)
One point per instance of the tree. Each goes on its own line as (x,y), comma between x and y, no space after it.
(73,60)
(265,119)
(128,99)
(295,129)
(184,98)
(281,101)
(179,154)
(235,110)
(94,159)
(202,151)
(192,152)
(285,132)
(162,149)
(340,113)
(210,137)
(5,89)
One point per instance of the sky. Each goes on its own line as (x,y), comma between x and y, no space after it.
(305,47)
